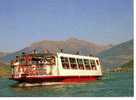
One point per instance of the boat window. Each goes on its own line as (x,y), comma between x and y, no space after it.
(50,60)
(73,63)
(93,65)
(87,65)
(34,62)
(97,62)
(40,61)
(80,64)
(24,59)
(65,63)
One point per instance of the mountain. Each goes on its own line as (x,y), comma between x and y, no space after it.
(4,69)
(117,55)
(127,67)
(71,45)
(2,63)
(2,54)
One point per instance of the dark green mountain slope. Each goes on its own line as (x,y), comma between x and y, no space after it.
(125,67)
(117,55)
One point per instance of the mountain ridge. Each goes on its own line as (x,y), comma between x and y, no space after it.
(117,55)
(71,45)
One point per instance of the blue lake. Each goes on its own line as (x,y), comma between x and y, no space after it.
(114,84)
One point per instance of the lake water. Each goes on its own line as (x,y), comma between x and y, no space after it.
(113,84)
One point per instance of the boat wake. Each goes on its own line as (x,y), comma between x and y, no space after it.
(43,84)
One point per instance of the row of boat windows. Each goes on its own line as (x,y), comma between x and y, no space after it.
(38,61)
(75,63)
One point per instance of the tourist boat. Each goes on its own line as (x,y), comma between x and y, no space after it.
(50,68)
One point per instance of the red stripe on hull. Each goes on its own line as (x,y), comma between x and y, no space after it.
(66,79)
(80,79)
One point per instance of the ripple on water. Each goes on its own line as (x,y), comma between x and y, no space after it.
(112,84)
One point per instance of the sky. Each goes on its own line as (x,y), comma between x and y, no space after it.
(23,22)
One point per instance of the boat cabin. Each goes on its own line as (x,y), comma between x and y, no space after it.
(59,64)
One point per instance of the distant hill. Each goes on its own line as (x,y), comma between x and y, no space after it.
(71,45)
(2,63)
(117,55)
(125,67)
(2,54)
(4,69)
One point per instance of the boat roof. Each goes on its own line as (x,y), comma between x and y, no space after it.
(43,54)
(38,54)
(76,56)
(59,54)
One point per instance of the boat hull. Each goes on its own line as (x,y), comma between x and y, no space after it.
(64,79)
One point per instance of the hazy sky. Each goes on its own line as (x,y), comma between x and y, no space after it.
(101,21)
